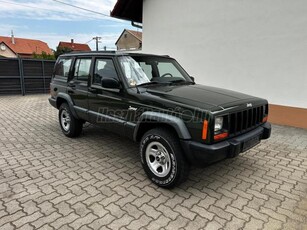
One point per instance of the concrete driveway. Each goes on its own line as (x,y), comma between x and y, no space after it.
(48,181)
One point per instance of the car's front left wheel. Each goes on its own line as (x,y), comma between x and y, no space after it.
(71,126)
(162,158)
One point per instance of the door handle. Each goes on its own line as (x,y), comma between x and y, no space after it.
(71,85)
(132,108)
(92,90)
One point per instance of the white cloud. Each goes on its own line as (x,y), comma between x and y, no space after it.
(117,25)
(5,29)
(52,10)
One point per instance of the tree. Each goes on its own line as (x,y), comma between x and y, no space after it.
(61,50)
(44,56)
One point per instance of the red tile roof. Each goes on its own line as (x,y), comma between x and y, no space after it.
(26,46)
(75,46)
(136,34)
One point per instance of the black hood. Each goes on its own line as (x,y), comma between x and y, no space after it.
(201,96)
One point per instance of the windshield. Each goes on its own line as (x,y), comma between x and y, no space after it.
(140,70)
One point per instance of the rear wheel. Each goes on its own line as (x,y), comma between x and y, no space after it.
(162,158)
(71,126)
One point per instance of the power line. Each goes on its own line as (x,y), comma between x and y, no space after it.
(81,8)
(39,8)
(78,7)
(92,11)
(89,41)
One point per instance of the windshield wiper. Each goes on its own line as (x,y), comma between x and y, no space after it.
(179,81)
(149,83)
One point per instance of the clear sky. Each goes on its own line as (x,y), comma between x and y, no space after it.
(51,21)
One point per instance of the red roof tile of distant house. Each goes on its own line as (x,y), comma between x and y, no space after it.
(26,46)
(136,34)
(75,46)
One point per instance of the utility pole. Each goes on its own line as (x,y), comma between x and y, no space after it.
(97,41)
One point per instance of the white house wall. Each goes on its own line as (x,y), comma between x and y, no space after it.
(257,47)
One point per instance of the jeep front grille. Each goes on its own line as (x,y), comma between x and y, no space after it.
(244,120)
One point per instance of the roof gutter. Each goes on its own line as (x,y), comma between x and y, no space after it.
(136,25)
(131,10)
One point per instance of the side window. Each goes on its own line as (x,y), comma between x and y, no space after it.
(62,68)
(104,68)
(82,69)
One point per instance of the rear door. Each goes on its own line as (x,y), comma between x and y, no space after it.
(78,85)
(60,75)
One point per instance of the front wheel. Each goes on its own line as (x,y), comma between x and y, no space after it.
(71,126)
(162,158)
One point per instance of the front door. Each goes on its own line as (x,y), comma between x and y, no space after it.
(107,107)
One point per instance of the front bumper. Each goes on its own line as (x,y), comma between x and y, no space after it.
(202,154)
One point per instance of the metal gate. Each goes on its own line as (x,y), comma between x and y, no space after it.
(25,76)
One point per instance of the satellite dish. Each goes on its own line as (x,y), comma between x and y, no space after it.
(3,47)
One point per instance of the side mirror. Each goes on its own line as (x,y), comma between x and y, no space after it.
(110,83)
(192,78)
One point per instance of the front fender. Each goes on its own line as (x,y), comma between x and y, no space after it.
(175,122)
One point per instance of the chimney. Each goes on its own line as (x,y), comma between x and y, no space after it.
(72,41)
(13,38)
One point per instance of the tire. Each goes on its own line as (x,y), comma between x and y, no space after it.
(162,158)
(71,126)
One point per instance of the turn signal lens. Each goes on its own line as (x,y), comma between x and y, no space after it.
(265,119)
(220,136)
(205,130)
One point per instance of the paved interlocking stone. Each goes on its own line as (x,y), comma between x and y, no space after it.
(48,181)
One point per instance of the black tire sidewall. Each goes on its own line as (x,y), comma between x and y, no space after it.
(169,179)
(64,106)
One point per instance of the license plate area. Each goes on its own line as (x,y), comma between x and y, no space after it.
(250,143)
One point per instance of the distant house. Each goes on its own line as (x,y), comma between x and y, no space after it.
(12,47)
(129,40)
(74,46)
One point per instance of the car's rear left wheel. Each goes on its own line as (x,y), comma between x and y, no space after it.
(71,126)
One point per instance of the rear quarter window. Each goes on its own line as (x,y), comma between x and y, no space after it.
(62,68)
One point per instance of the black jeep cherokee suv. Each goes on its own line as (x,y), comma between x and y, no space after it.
(152,100)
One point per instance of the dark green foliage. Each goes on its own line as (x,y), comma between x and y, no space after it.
(61,50)
(44,56)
